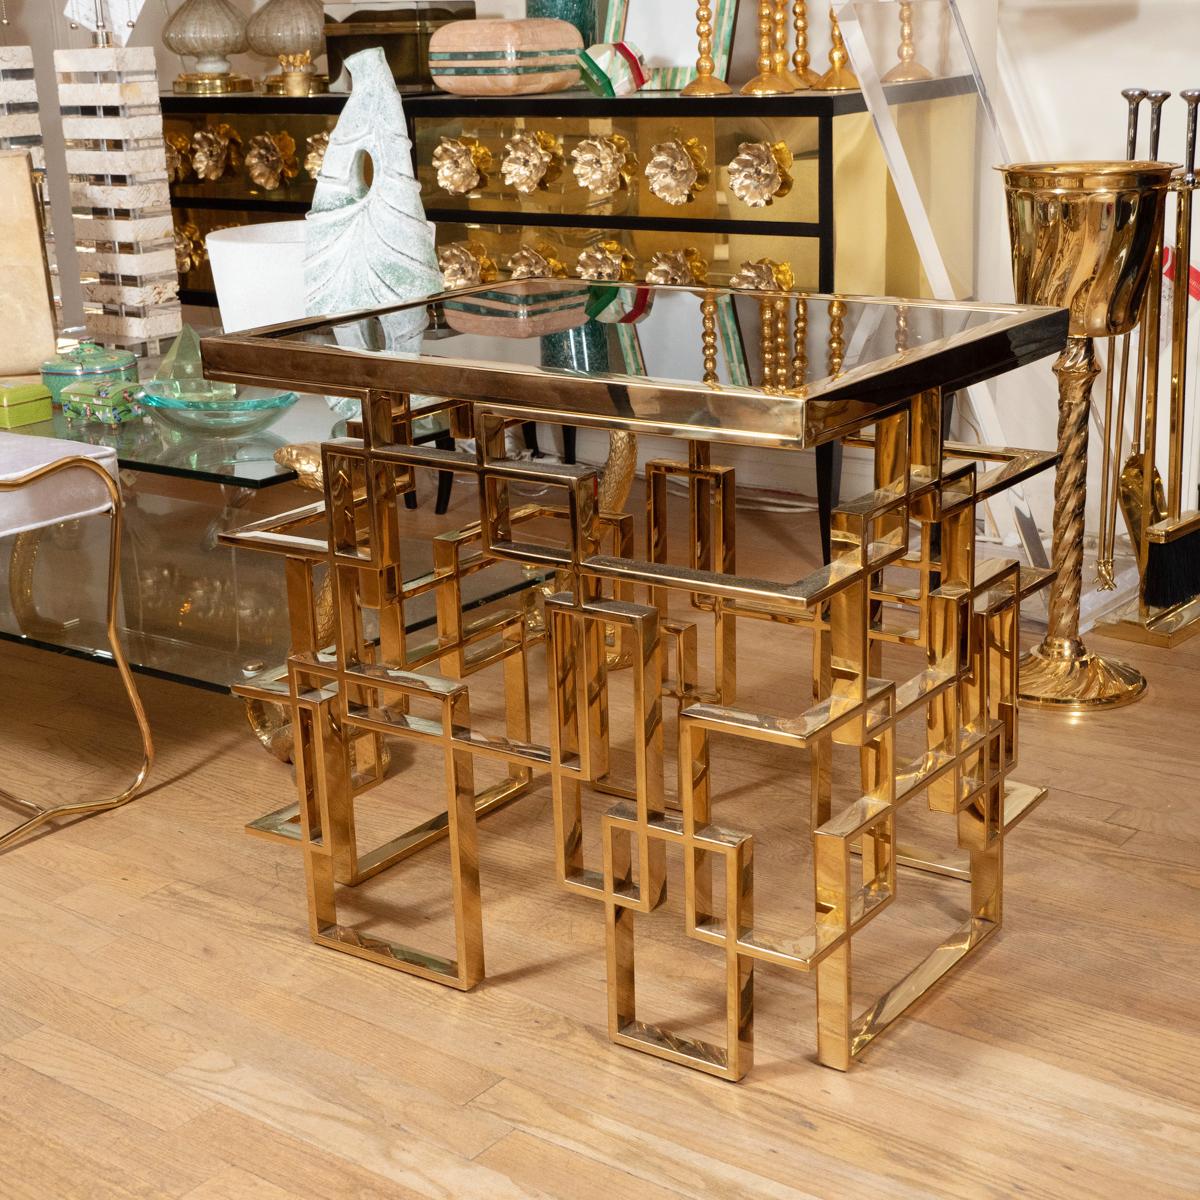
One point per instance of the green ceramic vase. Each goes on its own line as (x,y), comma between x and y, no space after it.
(581,14)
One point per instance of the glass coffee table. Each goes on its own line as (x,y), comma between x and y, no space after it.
(195,611)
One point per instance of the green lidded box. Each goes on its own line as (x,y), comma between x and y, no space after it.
(108,402)
(24,404)
(87,361)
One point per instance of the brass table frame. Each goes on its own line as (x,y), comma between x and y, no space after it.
(905,549)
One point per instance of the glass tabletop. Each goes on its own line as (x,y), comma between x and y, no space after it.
(245,459)
(761,367)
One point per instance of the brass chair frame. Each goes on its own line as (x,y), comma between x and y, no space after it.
(41,815)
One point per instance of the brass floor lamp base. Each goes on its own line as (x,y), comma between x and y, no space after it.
(1079,683)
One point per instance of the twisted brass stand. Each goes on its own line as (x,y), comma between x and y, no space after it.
(1062,672)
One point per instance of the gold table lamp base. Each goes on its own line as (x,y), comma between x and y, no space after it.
(1066,677)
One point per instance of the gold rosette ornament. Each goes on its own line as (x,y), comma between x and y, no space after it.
(314,160)
(606,262)
(759,174)
(603,165)
(461,164)
(179,157)
(765,275)
(190,252)
(677,267)
(271,158)
(677,170)
(465,264)
(535,263)
(215,151)
(531,161)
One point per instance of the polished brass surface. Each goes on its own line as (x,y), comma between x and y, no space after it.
(839,77)
(1083,237)
(907,69)
(706,83)
(27,548)
(197,83)
(772,79)
(904,574)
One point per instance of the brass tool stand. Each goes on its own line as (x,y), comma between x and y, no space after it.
(905,577)
(1067,252)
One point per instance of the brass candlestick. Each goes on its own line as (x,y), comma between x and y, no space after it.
(907,69)
(839,77)
(769,81)
(706,83)
(802,75)
(1068,252)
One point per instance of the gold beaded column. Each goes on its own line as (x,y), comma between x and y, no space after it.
(706,83)
(907,69)
(803,76)
(768,81)
(839,77)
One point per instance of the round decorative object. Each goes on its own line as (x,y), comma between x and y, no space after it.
(606,262)
(215,151)
(531,161)
(531,263)
(465,264)
(676,170)
(292,31)
(270,159)
(765,275)
(679,268)
(179,157)
(462,165)
(759,175)
(505,58)
(603,165)
(318,143)
(209,31)
(90,362)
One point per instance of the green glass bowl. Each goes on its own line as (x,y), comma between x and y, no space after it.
(197,405)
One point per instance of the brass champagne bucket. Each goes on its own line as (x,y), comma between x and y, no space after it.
(1083,238)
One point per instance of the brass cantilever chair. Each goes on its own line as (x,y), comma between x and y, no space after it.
(44,482)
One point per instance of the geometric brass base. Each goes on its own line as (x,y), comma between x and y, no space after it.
(1076,681)
(1166,627)
(211,84)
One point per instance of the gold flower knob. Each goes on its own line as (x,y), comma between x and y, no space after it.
(462,165)
(271,158)
(535,263)
(765,275)
(190,251)
(603,165)
(677,170)
(531,161)
(677,267)
(606,262)
(179,157)
(215,151)
(465,264)
(318,145)
(759,175)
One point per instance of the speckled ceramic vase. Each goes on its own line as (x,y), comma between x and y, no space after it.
(581,14)
(583,349)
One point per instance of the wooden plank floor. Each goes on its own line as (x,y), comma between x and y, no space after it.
(167,1030)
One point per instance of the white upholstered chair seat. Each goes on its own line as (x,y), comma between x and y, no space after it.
(66,496)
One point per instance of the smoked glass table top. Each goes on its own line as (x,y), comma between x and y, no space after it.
(760,368)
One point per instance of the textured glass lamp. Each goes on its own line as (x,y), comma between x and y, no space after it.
(291,31)
(209,31)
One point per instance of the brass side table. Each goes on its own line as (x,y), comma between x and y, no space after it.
(904,575)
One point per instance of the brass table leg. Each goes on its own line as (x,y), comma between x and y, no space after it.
(1062,673)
